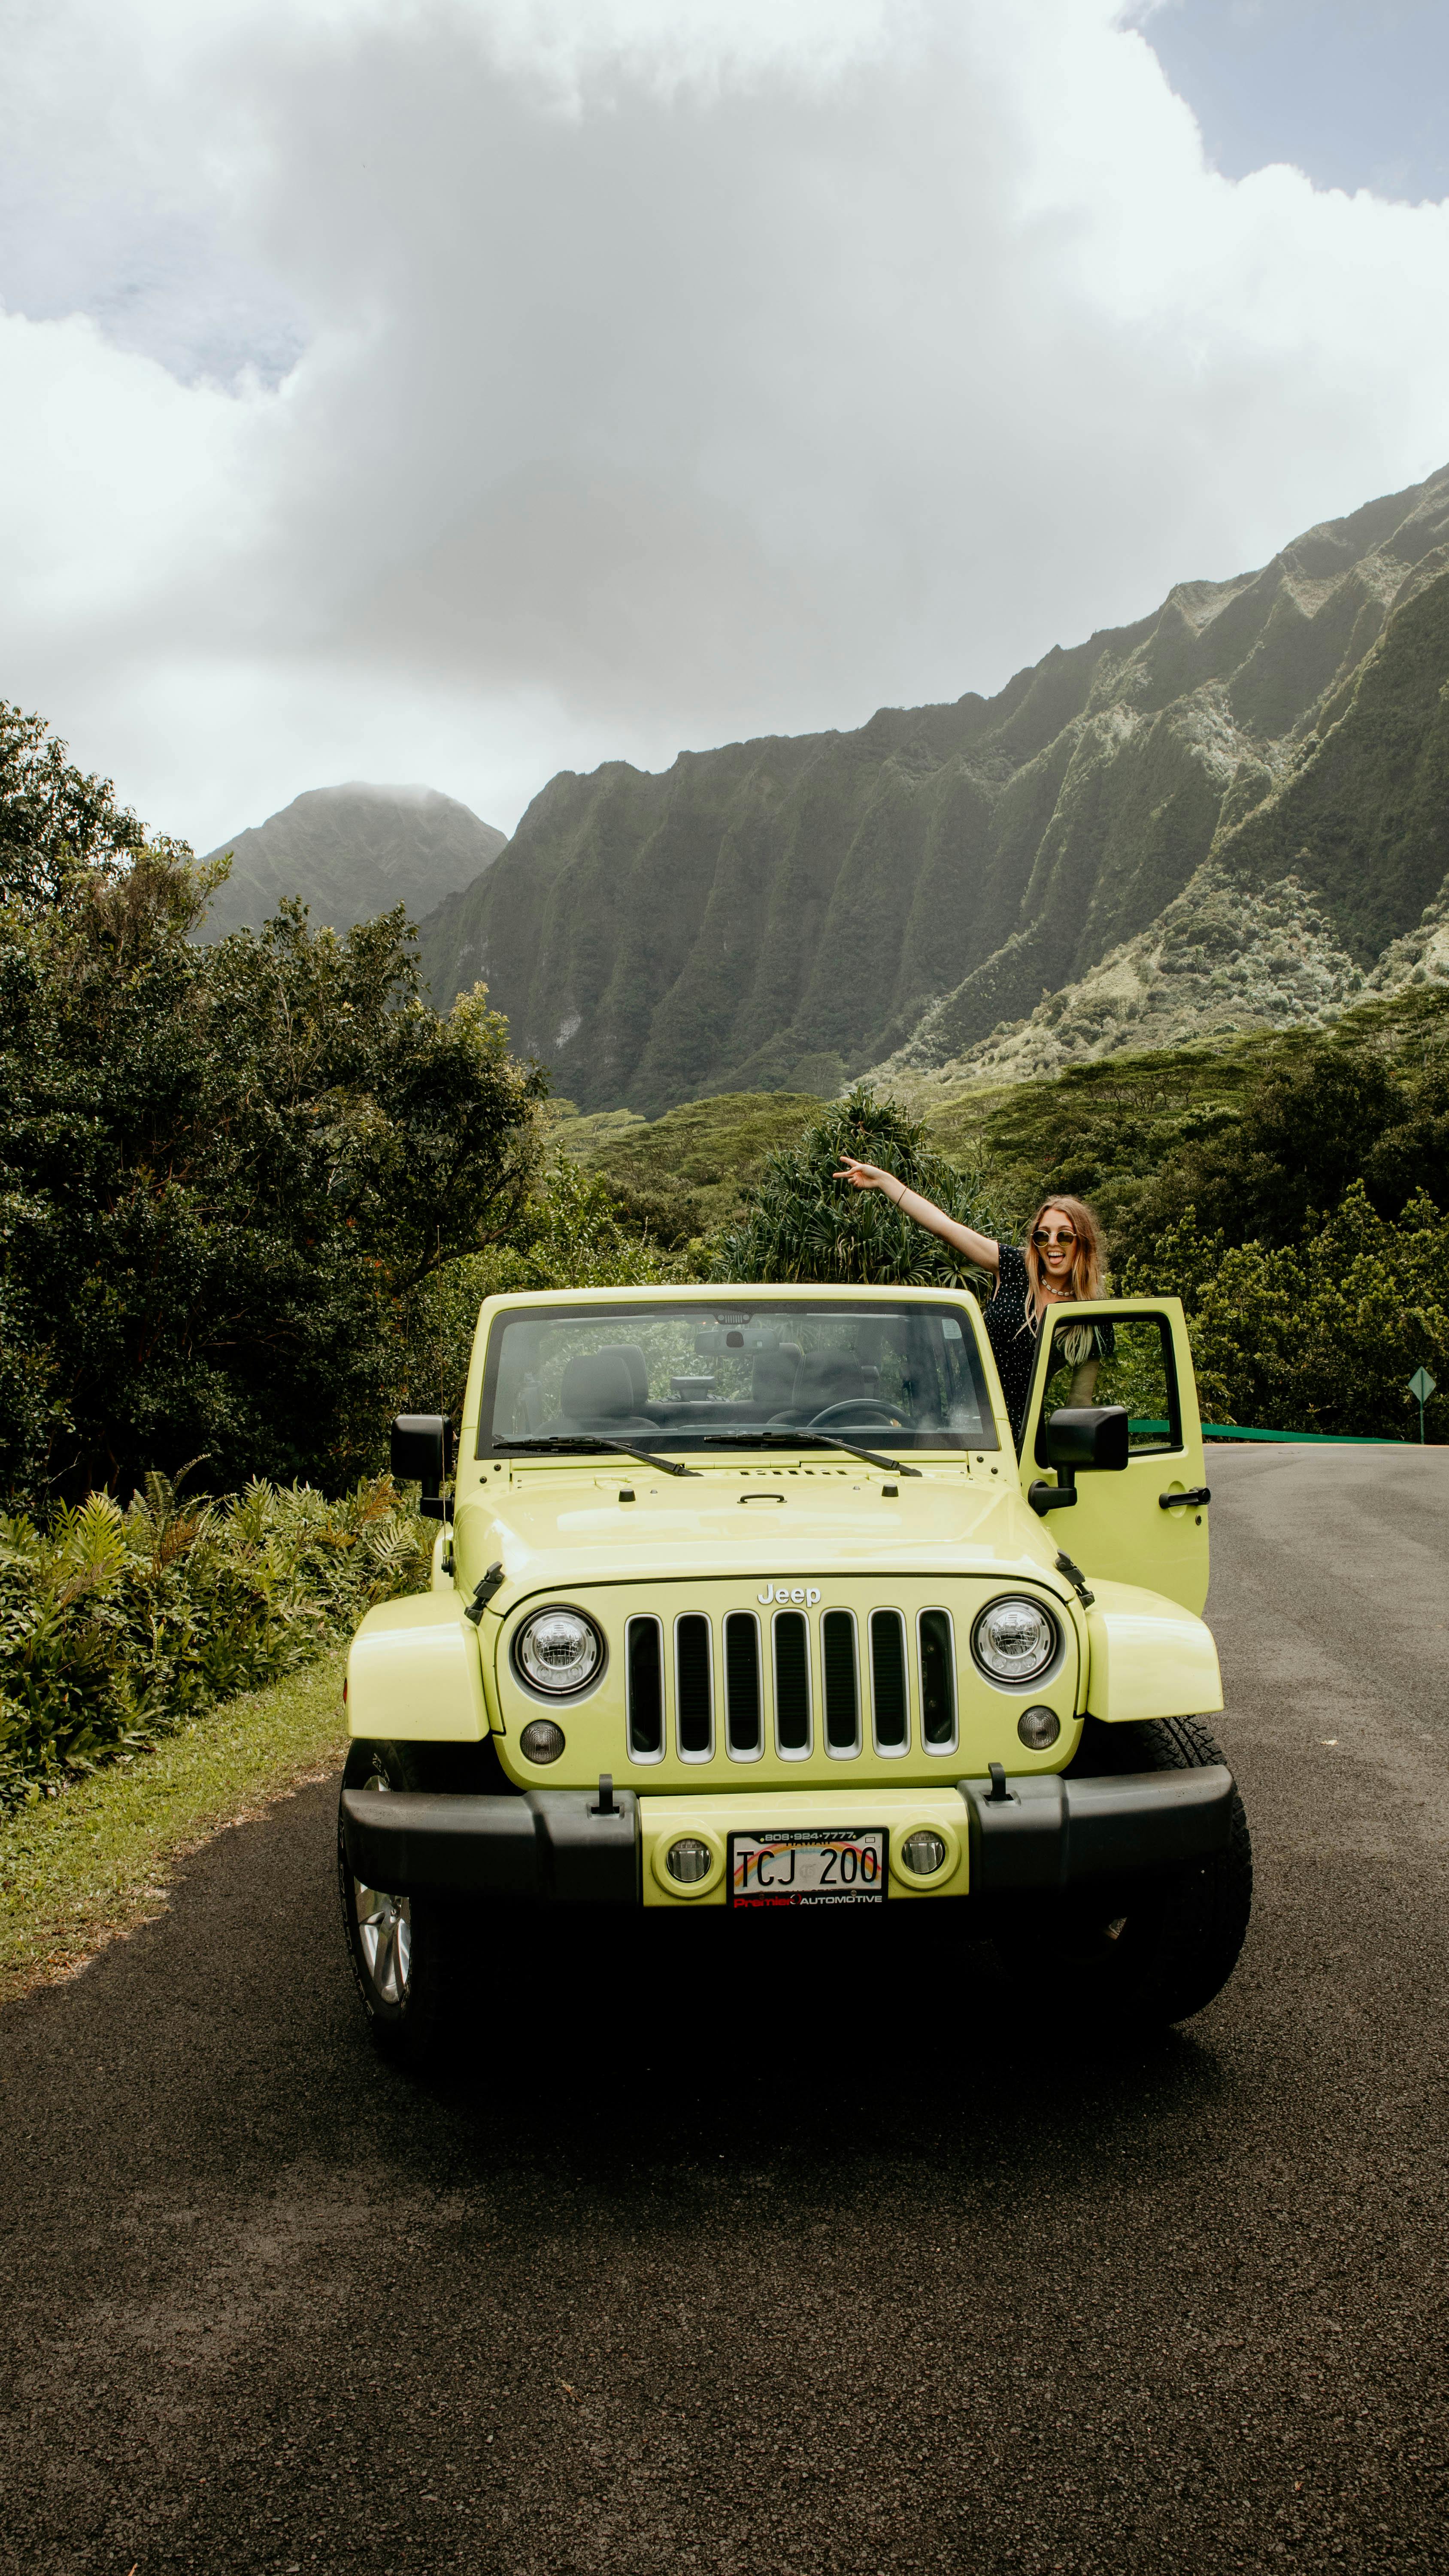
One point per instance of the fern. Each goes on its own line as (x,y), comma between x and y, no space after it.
(115,1627)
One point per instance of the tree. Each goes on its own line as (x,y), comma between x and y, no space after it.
(1319,1335)
(224,1170)
(1306,1134)
(569,1234)
(802,1223)
(58,828)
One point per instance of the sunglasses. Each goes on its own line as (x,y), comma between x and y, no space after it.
(1042,1236)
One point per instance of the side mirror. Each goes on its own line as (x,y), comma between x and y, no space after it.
(1086,1435)
(422,1449)
(1074,1438)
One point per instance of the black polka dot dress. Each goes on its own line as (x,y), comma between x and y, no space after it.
(1013,1342)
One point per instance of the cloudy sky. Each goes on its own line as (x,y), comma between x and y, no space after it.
(460,390)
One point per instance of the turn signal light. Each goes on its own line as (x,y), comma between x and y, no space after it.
(1038,1728)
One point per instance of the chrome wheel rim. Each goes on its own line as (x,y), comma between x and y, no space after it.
(384,1931)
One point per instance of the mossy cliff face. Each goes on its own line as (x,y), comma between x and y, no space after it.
(784,913)
(1222,960)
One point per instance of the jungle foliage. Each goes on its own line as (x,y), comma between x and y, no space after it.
(1322,1334)
(117,1626)
(684,1176)
(801,1222)
(224,1171)
(1287,1188)
(1257,1137)
(570,1234)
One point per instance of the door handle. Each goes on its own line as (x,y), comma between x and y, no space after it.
(1194,1494)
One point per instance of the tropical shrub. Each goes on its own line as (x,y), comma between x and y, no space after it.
(1319,1335)
(224,1170)
(570,1234)
(800,1222)
(117,1626)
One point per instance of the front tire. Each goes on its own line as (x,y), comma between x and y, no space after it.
(1143,1950)
(402,1949)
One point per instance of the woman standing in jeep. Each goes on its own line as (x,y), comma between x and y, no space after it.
(1062,1262)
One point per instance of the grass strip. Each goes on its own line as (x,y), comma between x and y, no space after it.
(85,1868)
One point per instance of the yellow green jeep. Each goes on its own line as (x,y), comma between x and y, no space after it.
(743,1600)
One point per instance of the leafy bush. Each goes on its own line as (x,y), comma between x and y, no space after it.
(116,1626)
(56,824)
(1318,1335)
(685,1176)
(1251,1136)
(570,1234)
(803,1223)
(1308,1132)
(224,1169)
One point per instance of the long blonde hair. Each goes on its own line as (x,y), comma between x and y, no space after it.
(1084,1280)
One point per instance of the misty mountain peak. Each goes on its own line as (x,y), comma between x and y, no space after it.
(350,852)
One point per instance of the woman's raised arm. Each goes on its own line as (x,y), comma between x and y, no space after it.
(980,1248)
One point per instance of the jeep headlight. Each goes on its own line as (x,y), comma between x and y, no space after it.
(558,1651)
(1014,1640)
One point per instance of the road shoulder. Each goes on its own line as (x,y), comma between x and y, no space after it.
(83,1869)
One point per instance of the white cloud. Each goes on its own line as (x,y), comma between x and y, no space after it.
(470,391)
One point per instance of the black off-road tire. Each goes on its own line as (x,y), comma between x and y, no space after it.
(1144,1950)
(404,1951)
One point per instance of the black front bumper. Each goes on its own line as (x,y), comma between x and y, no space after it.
(553,1846)
(1057,1832)
(550,1844)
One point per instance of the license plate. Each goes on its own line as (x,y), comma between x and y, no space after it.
(809,1865)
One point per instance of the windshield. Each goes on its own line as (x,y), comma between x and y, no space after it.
(698,1376)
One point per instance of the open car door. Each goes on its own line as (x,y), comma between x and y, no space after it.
(1125,1525)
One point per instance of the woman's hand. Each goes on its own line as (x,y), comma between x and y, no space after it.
(867,1176)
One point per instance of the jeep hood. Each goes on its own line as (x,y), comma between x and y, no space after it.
(552,1530)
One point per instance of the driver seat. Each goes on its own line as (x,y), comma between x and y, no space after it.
(827,1377)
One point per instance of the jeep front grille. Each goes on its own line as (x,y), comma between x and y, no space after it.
(742,1685)
(694,1687)
(792,1686)
(938,1680)
(890,1707)
(818,1693)
(842,1686)
(644,1681)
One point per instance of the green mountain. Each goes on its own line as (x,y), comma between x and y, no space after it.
(1258,766)
(350,852)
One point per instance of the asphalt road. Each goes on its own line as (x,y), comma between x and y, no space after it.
(796,2263)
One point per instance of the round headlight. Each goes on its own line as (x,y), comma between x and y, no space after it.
(541,1741)
(688,1860)
(924,1852)
(1038,1728)
(1014,1640)
(558,1651)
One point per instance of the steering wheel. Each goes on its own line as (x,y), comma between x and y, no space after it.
(853,1408)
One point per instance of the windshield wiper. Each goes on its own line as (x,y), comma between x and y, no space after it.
(812,1440)
(589,1442)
